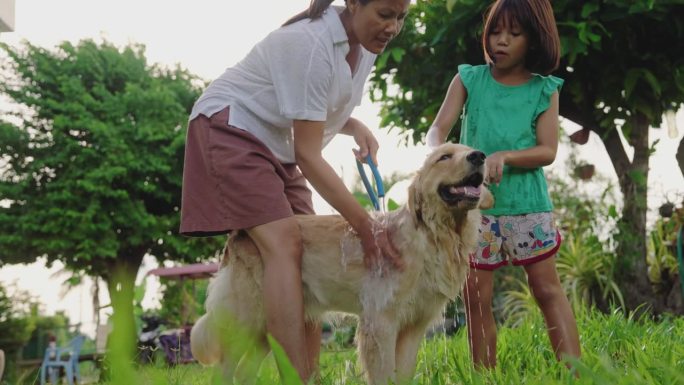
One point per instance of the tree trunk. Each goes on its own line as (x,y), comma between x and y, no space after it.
(632,272)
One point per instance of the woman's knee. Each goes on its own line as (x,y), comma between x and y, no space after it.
(278,241)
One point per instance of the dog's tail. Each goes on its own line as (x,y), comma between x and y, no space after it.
(203,344)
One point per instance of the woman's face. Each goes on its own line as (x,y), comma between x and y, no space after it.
(375,24)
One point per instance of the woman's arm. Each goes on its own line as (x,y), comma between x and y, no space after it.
(363,137)
(543,154)
(448,113)
(308,139)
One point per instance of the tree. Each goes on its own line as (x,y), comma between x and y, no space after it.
(623,68)
(90,171)
(15,324)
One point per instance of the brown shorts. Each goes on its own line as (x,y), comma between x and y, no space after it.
(232,181)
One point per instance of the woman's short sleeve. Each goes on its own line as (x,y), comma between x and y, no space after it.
(467,74)
(550,85)
(302,74)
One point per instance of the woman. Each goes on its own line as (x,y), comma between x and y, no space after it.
(267,118)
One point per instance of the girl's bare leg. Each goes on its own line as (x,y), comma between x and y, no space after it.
(477,296)
(560,321)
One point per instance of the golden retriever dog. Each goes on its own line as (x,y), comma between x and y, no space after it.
(434,231)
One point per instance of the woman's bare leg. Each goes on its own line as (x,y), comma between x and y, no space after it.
(313,346)
(280,246)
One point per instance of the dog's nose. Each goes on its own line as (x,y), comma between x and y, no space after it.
(477,158)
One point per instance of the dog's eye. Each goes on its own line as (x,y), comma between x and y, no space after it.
(444,157)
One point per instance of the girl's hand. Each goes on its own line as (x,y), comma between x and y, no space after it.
(378,249)
(495,164)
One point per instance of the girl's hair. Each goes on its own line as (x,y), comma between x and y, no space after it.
(315,10)
(536,19)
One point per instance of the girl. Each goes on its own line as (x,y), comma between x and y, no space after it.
(510,112)
(268,117)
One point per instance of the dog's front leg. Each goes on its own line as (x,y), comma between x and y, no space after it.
(377,338)
(408,342)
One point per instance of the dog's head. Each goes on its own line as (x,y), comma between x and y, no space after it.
(450,180)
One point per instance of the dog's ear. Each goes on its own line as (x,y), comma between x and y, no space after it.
(414,201)
(486,198)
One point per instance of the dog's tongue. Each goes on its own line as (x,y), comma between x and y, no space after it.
(468,191)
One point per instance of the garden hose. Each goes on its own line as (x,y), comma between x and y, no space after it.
(680,258)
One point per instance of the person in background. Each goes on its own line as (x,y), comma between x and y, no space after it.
(52,348)
(255,138)
(510,112)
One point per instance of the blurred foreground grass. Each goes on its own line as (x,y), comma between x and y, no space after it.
(616,350)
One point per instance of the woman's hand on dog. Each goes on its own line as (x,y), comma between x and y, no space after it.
(377,248)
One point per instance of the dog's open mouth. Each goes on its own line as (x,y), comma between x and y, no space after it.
(466,190)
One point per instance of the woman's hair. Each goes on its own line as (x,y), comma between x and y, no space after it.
(315,10)
(536,18)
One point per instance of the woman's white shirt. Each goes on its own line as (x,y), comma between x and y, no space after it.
(298,72)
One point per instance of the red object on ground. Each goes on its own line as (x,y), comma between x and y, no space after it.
(194,271)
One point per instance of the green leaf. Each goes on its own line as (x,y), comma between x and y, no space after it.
(381,61)
(450,5)
(588,9)
(652,147)
(288,373)
(630,81)
(438,36)
(652,81)
(397,53)
(612,212)
(595,38)
(582,32)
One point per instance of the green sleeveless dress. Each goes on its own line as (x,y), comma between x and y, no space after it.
(497,117)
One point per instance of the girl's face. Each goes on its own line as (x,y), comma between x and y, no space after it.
(375,24)
(508,44)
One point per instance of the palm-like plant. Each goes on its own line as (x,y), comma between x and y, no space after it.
(586,275)
(586,270)
(661,259)
(517,303)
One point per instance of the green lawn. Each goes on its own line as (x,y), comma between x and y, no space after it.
(616,350)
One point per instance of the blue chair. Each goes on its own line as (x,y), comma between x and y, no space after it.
(62,358)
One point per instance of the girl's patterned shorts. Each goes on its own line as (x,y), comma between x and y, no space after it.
(522,239)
